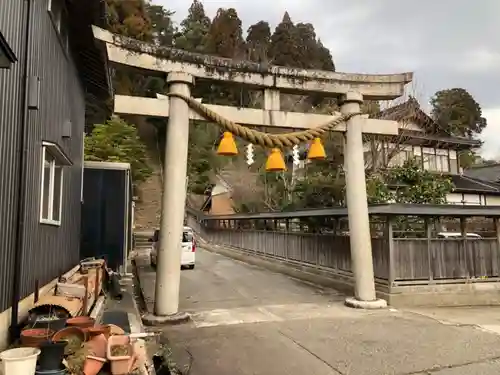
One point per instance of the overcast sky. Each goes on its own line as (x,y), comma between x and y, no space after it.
(447,43)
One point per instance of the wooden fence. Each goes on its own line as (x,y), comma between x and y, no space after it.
(396,261)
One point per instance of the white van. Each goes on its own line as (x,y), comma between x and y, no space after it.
(188,248)
(470,236)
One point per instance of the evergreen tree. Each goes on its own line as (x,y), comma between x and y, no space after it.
(283,49)
(194,29)
(258,41)
(129,18)
(118,141)
(324,57)
(225,37)
(163,29)
(457,112)
(305,37)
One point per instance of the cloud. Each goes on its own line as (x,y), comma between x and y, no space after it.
(491,147)
(447,43)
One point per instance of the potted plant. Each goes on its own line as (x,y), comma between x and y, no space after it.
(53,321)
(74,337)
(51,355)
(35,336)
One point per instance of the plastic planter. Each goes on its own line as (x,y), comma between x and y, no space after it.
(120,364)
(60,371)
(19,361)
(51,356)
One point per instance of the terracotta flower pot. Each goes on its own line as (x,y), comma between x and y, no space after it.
(96,357)
(122,363)
(35,336)
(93,365)
(98,330)
(81,321)
(97,346)
(73,335)
(115,330)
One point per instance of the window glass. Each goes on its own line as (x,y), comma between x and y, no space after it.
(453,166)
(56,206)
(46,189)
(51,189)
(187,237)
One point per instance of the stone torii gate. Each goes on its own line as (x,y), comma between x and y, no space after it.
(181,69)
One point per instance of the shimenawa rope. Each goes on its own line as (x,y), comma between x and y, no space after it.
(284,140)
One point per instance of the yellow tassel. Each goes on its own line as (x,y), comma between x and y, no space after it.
(227,145)
(275,161)
(316,150)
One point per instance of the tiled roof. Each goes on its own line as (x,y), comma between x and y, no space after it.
(409,110)
(465,184)
(488,172)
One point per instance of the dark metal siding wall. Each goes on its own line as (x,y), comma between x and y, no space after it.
(48,250)
(10,126)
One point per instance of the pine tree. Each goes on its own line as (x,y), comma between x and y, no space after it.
(162,26)
(225,37)
(305,37)
(283,49)
(258,41)
(129,18)
(194,29)
(324,58)
(457,112)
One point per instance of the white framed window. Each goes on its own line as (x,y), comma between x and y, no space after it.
(52,179)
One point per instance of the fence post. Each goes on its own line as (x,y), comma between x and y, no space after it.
(430,252)
(390,242)
(463,230)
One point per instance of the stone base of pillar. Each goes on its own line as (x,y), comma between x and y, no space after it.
(155,320)
(366,305)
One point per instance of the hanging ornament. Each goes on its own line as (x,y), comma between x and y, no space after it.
(275,161)
(296,155)
(316,150)
(250,154)
(227,145)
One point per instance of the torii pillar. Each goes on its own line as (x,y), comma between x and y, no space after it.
(357,209)
(173,204)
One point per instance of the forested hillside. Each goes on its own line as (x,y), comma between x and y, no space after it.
(287,44)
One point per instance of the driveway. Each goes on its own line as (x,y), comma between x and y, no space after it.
(248,320)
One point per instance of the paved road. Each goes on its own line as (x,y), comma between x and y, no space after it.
(247,320)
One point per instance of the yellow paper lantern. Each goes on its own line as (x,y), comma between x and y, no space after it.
(227,145)
(275,161)
(316,150)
